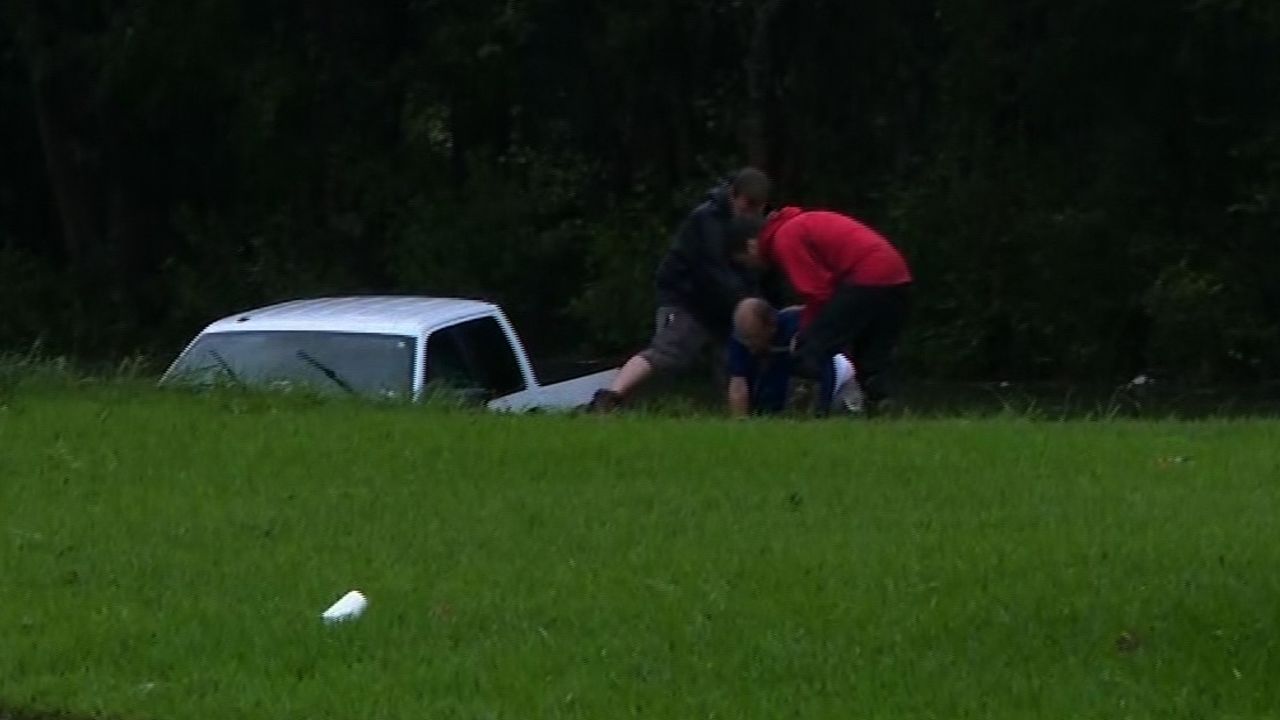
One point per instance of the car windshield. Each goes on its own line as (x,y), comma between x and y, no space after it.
(364,363)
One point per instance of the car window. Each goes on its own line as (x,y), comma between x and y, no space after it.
(364,363)
(446,364)
(473,354)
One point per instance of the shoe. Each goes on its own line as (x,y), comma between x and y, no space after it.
(849,399)
(604,401)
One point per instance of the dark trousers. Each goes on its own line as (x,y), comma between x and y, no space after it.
(864,321)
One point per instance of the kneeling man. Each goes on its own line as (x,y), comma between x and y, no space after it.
(760,363)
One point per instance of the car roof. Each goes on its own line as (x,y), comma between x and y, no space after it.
(386,314)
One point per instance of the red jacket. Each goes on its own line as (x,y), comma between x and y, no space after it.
(819,251)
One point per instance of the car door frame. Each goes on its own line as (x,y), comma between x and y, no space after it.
(514,345)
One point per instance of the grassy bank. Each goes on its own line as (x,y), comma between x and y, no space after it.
(166,556)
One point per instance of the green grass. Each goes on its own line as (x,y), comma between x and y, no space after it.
(167,556)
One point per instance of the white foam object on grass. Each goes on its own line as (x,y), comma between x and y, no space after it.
(348,607)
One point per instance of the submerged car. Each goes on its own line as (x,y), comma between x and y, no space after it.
(397,347)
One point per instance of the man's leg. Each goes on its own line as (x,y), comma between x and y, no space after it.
(835,327)
(678,339)
(633,373)
(876,343)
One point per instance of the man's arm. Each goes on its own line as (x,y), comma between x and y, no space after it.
(775,288)
(810,278)
(739,366)
(727,283)
(739,397)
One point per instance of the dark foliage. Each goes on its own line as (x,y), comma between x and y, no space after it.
(1086,189)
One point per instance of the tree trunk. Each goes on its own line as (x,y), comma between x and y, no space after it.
(756,129)
(65,165)
(66,120)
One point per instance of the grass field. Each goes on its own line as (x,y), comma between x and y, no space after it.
(166,557)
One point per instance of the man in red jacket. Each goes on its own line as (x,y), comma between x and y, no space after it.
(855,286)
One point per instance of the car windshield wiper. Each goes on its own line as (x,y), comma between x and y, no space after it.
(325,370)
(226,366)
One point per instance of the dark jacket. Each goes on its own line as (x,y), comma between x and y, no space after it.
(696,274)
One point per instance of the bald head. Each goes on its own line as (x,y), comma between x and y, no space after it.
(754,324)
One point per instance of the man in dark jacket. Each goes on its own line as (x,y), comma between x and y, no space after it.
(698,287)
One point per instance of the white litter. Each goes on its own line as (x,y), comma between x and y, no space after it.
(348,607)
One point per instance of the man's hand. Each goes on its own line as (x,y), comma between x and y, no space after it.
(739,398)
(797,340)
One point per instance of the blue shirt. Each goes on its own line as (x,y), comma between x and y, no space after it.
(768,377)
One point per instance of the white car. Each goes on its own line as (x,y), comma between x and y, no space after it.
(383,346)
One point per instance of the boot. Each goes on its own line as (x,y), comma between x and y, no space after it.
(604,401)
